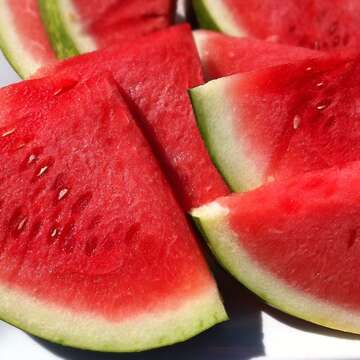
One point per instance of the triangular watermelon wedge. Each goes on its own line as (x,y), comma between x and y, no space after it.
(155,74)
(222,55)
(23,38)
(281,121)
(95,252)
(295,243)
(316,24)
(79,26)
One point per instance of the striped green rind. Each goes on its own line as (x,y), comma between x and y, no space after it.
(13,61)
(217,122)
(216,15)
(145,331)
(60,39)
(200,106)
(226,245)
(204,17)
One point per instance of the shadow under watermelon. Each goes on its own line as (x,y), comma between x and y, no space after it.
(240,338)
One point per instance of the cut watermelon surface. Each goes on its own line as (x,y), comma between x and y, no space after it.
(317,24)
(295,243)
(281,121)
(23,38)
(155,74)
(93,255)
(222,55)
(79,26)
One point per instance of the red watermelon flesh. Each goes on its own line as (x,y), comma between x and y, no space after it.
(317,24)
(222,55)
(155,74)
(295,243)
(115,20)
(88,223)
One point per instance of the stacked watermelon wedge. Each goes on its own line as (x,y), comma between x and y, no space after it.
(282,128)
(96,248)
(129,124)
(316,24)
(34,33)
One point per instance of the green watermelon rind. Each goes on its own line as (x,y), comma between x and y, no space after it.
(212,221)
(60,39)
(11,59)
(85,331)
(200,110)
(215,15)
(209,103)
(204,17)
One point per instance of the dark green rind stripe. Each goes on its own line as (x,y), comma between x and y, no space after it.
(204,17)
(61,41)
(200,115)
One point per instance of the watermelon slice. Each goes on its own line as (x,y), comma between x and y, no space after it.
(79,26)
(155,74)
(317,24)
(93,255)
(295,243)
(23,38)
(223,55)
(281,121)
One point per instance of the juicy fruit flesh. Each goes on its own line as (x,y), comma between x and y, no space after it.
(327,25)
(223,55)
(79,227)
(296,117)
(116,20)
(309,241)
(155,74)
(26,16)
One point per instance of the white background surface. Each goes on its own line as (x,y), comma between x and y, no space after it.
(277,339)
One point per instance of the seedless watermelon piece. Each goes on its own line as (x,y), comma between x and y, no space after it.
(23,38)
(222,55)
(317,24)
(155,73)
(295,243)
(281,121)
(94,255)
(79,26)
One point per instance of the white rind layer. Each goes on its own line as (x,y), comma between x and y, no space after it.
(75,28)
(12,46)
(201,38)
(219,122)
(200,41)
(226,245)
(92,332)
(223,17)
